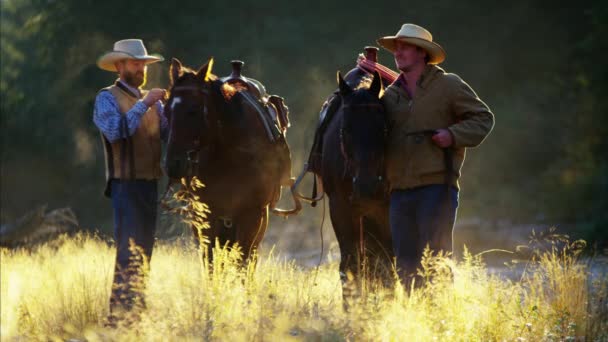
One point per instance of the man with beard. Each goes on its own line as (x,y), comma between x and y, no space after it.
(434,117)
(132,125)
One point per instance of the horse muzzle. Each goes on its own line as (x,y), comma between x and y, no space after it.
(178,167)
(367,189)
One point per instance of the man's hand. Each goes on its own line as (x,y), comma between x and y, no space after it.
(153,96)
(443,138)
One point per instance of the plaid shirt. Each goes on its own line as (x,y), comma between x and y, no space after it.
(106,115)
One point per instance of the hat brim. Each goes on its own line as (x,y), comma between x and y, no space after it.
(436,52)
(108,60)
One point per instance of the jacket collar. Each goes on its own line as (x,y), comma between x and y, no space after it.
(427,76)
(429,73)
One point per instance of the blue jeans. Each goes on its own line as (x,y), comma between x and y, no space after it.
(135,210)
(421,216)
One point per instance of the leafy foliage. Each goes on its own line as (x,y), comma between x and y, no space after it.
(187,205)
(539,66)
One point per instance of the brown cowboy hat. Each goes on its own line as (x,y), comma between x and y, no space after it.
(415,35)
(127,49)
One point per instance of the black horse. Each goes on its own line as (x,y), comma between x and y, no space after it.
(353,177)
(218,133)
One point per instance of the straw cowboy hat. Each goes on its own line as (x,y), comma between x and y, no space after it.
(127,49)
(415,35)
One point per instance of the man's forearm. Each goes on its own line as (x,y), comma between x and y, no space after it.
(107,117)
(471,131)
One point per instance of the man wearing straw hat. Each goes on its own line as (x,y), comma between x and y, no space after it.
(131,123)
(434,117)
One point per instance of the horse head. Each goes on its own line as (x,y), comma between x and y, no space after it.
(192,112)
(362,137)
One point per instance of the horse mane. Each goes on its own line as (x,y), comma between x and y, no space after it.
(229,90)
(188,71)
(365,83)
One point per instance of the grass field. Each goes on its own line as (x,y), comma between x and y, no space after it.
(60,291)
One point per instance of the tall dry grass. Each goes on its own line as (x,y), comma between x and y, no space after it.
(60,290)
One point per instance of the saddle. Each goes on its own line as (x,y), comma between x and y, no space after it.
(272,112)
(271,109)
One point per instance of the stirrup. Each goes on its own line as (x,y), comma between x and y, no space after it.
(316,195)
(297,205)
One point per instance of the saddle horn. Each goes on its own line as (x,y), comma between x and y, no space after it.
(371,53)
(237,67)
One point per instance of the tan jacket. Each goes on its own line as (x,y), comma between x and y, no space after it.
(441,100)
(143,149)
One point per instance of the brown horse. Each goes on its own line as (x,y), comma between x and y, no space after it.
(218,134)
(352,173)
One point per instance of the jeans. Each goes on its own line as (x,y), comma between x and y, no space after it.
(421,216)
(135,210)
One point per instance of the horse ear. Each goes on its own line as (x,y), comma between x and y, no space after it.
(343,86)
(175,70)
(376,87)
(205,71)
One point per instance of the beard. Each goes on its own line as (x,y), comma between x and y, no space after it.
(135,80)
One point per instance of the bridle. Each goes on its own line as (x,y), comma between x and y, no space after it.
(193,155)
(344,147)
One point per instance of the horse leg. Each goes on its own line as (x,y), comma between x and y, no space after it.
(378,249)
(252,225)
(344,228)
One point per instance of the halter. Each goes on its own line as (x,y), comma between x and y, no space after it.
(366,105)
(193,155)
(347,159)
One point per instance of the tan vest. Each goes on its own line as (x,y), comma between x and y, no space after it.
(137,157)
